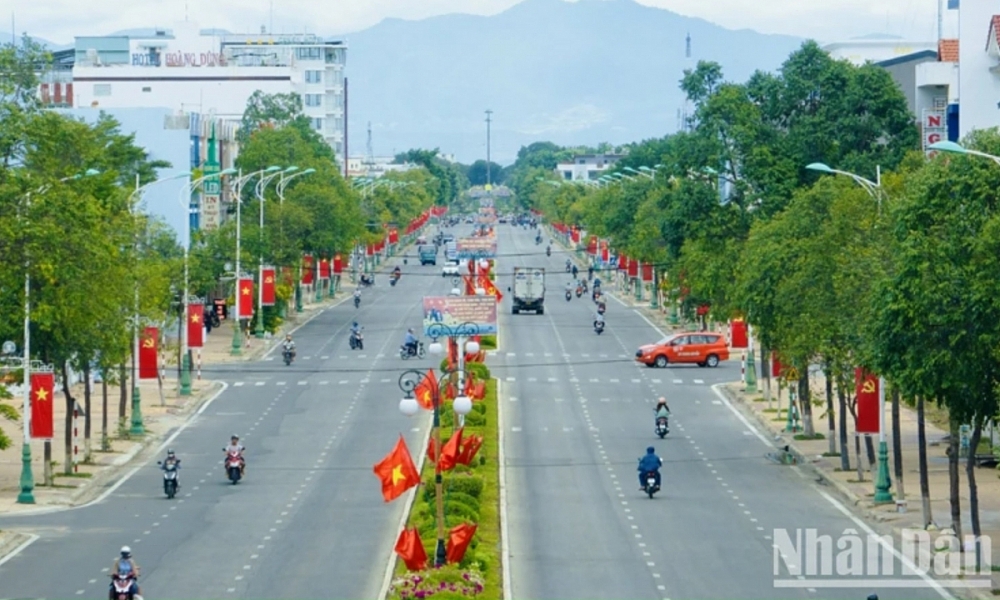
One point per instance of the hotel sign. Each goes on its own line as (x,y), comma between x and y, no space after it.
(179,59)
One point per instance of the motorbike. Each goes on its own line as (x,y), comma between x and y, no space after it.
(393,280)
(651,487)
(169,479)
(287,354)
(357,302)
(548,251)
(579,291)
(569,295)
(538,241)
(233,467)
(367,280)
(601,309)
(599,327)
(662,427)
(406,353)
(583,284)
(357,341)
(568,267)
(121,588)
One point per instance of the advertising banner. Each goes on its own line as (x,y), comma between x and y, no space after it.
(446,316)
(476,247)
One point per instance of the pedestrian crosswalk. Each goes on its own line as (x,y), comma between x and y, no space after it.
(363,380)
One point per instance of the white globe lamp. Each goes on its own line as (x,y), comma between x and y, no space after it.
(435,348)
(472,347)
(480,291)
(484,264)
(462,405)
(409,406)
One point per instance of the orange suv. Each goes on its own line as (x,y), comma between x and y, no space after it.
(701,348)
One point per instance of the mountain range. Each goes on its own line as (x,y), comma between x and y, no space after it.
(575,73)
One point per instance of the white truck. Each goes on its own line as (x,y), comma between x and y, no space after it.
(528,290)
(451,251)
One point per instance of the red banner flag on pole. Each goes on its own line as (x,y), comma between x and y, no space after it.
(426,390)
(324,268)
(647,272)
(267,293)
(633,267)
(411,549)
(307,269)
(458,541)
(866,389)
(338,264)
(244,301)
(42,390)
(148,353)
(196,325)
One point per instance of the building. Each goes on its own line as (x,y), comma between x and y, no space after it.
(212,73)
(929,80)
(877,48)
(979,65)
(377,166)
(587,167)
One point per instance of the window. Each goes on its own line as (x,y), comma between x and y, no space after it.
(313,99)
(102,89)
(313,53)
(147,89)
(567,174)
(317,124)
(681,341)
(314,76)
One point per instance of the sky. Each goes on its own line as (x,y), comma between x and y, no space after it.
(825,20)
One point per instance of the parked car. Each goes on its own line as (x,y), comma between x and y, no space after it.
(700,348)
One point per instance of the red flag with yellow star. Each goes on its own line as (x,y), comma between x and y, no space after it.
(244,300)
(397,472)
(426,390)
(196,325)
(42,386)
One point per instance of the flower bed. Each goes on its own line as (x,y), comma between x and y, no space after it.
(471,495)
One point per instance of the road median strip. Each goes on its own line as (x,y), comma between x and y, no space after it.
(471,495)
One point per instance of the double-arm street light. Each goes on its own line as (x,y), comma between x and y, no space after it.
(882,484)
(954,148)
(26,496)
(184,198)
(259,192)
(462,406)
(282,184)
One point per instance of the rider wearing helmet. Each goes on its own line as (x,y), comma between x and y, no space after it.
(662,409)
(235,447)
(125,567)
(288,344)
(650,463)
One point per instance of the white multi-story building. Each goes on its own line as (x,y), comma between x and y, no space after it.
(214,73)
(587,167)
(979,65)
(377,166)
(876,48)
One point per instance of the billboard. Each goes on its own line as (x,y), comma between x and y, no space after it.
(476,247)
(934,126)
(446,316)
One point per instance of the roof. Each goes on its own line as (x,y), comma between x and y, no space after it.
(921,56)
(948,50)
(994,34)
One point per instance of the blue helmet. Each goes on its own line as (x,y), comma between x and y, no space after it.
(650,450)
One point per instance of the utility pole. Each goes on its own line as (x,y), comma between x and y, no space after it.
(489,114)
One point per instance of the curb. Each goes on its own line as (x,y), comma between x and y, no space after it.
(12,543)
(505,576)
(99,484)
(842,488)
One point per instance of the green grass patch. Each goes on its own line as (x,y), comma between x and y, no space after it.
(488,342)
(77,475)
(471,494)
(816,436)
(773,410)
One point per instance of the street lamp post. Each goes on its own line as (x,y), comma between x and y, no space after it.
(462,405)
(27,479)
(282,184)
(259,191)
(882,482)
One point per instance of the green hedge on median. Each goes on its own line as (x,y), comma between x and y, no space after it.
(471,495)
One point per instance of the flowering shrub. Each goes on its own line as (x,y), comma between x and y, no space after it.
(444,583)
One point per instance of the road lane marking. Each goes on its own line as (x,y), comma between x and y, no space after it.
(238,384)
(260,383)
(280,383)
(699,381)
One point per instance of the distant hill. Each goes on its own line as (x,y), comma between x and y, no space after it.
(571,72)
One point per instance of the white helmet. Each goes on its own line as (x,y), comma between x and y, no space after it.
(126,552)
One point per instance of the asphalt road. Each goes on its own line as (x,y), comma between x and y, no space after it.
(308,521)
(579,413)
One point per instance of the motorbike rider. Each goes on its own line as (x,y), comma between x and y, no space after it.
(548,251)
(355,329)
(397,272)
(649,463)
(601,306)
(590,272)
(575,271)
(125,567)
(288,345)
(410,341)
(235,447)
(568,265)
(598,318)
(662,409)
(171,459)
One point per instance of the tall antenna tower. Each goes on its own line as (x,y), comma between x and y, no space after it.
(684,115)
(369,153)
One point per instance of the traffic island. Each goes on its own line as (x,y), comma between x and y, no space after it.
(471,496)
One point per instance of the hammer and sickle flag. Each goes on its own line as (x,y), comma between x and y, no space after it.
(866,389)
(397,472)
(148,353)
(267,291)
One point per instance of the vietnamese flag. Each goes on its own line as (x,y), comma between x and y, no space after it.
(148,353)
(338,264)
(397,472)
(450,451)
(470,446)
(324,268)
(458,541)
(196,326)
(268,291)
(490,288)
(42,391)
(244,303)
(307,269)
(411,549)
(426,390)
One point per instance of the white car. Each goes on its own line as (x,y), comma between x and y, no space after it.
(450,268)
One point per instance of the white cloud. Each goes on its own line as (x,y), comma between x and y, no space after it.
(827,20)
